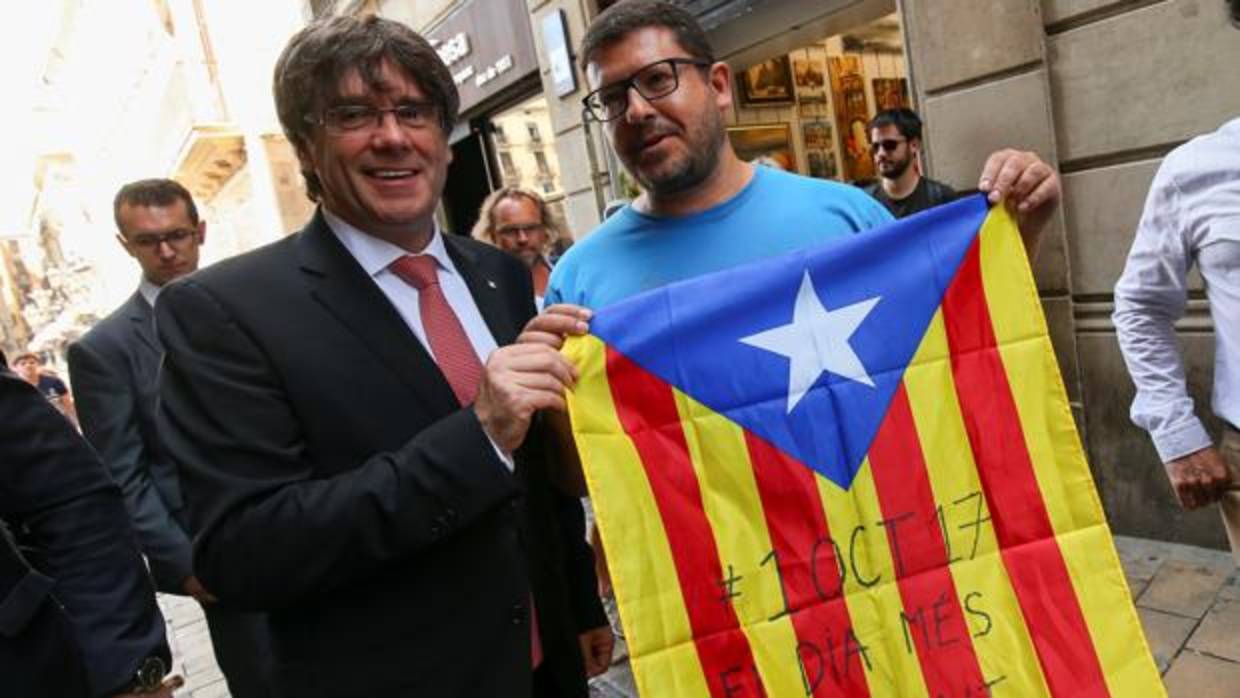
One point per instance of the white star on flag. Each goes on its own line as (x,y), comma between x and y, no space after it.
(816,341)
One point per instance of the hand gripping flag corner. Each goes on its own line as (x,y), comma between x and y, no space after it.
(853,471)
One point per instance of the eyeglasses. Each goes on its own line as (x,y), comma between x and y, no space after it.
(151,241)
(659,79)
(355,118)
(511,231)
(887,144)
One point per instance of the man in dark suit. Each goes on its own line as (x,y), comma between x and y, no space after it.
(349,424)
(77,612)
(115,369)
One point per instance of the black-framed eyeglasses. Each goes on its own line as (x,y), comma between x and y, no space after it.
(659,79)
(175,238)
(887,144)
(356,118)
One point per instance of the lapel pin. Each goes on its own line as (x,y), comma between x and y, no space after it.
(490,283)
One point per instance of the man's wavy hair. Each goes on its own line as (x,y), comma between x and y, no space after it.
(318,57)
(624,18)
(484,229)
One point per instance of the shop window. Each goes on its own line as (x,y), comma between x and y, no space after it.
(530,163)
(507,166)
(807,110)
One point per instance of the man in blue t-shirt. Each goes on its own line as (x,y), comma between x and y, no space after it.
(662,98)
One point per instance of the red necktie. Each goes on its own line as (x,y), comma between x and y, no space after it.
(456,358)
(451,346)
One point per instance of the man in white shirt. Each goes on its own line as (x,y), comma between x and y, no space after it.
(1192,217)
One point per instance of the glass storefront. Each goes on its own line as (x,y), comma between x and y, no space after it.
(806,110)
(523,141)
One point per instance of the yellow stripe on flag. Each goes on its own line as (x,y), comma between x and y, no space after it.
(647,589)
(1059,462)
(734,508)
(992,612)
(870,588)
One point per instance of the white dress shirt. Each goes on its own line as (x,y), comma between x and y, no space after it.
(1192,217)
(376,255)
(149,291)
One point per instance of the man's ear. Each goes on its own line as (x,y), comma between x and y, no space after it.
(720,79)
(125,244)
(202,232)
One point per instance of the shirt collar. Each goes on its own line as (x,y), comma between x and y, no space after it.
(149,291)
(375,255)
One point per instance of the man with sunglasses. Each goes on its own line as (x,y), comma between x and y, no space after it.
(895,144)
(114,369)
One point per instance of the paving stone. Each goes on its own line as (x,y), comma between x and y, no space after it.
(1136,586)
(1166,634)
(207,676)
(1201,676)
(1231,588)
(1140,558)
(203,652)
(1219,632)
(1184,588)
(215,689)
(199,665)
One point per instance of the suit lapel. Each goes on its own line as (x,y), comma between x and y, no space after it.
(139,311)
(485,289)
(340,284)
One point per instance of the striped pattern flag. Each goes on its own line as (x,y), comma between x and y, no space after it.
(853,471)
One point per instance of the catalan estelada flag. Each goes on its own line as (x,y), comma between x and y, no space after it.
(853,471)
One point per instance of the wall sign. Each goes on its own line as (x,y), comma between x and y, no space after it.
(488,46)
(555,39)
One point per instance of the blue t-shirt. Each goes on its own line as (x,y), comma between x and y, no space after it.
(776,212)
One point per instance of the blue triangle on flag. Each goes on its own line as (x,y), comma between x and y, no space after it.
(718,337)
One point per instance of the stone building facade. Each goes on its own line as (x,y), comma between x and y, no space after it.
(1102,89)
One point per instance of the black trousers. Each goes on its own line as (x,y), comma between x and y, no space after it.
(544,683)
(242,646)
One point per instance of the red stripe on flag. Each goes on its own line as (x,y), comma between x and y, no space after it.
(1022,524)
(933,621)
(646,407)
(804,554)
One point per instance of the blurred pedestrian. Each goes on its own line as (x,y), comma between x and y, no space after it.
(77,611)
(518,222)
(895,144)
(115,369)
(1191,218)
(29,366)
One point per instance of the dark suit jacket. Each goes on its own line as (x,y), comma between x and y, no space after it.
(332,479)
(115,370)
(88,613)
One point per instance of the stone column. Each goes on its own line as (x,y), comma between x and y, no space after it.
(1103,90)
(581,190)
